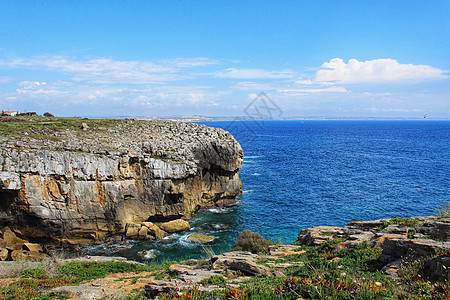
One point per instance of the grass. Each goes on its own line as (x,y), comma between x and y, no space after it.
(214,280)
(326,274)
(400,221)
(323,274)
(36,283)
(81,271)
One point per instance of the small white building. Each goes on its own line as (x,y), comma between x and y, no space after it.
(11,113)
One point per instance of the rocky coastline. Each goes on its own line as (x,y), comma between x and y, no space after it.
(72,181)
(393,252)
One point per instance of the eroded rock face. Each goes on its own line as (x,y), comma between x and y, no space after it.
(90,185)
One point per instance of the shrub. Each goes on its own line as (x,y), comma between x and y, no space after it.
(252,242)
(37,273)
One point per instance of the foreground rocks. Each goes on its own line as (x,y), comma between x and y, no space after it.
(13,247)
(414,239)
(76,181)
(224,265)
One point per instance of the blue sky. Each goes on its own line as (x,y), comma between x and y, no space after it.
(141,58)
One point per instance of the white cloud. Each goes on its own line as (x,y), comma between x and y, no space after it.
(6,78)
(254,74)
(190,62)
(35,88)
(110,71)
(304,82)
(253,86)
(373,71)
(332,89)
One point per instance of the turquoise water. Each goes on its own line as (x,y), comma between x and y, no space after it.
(302,174)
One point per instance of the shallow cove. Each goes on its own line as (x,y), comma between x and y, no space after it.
(298,174)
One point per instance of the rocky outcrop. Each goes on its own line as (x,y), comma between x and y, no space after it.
(245,262)
(13,247)
(60,182)
(403,241)
(231,263)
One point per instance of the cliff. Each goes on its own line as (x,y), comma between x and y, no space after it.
(87,180)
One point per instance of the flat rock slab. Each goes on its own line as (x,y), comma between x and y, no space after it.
(82,292)
(318,235)
(175,226)
(200,238)
(189,274)
(285,250)
(244,262)
(395,249)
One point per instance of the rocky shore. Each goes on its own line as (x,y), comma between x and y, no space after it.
(398,257)
(74,181)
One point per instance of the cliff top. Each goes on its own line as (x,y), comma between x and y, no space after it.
(162,139)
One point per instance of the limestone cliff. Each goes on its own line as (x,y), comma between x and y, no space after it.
(89,179)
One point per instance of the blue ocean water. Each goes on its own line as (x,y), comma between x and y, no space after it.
(298,174)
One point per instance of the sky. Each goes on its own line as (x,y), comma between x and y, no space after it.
(368,59)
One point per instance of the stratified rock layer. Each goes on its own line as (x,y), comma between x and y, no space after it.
(86,184)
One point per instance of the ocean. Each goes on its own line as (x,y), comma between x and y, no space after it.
(299,174)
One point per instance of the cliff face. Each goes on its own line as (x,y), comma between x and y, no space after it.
(90,179)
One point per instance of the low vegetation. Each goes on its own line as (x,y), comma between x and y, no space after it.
(251,242)
(36,283)
(317,272)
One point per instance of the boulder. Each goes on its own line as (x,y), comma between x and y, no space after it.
(175,226)
(397,229)
(84,126)
(177,269)
(391,269)
(32,247)
(12,242)
(285,250)
(143,232)
(155,287)
(154,230)
(437,268)
(441,230)
(366,225)
(382,238)
(3,254)
(317,235)
(132,230)
(80,292)
(200,238)
(27,255)
(355,239)
(396,249)
(244,262)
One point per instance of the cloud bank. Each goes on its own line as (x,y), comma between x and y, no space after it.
(254,74)
(110,71)
(201,85)
(375,71)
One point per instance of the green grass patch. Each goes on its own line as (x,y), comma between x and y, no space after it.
(400,221)
(81,271)
(214,280)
